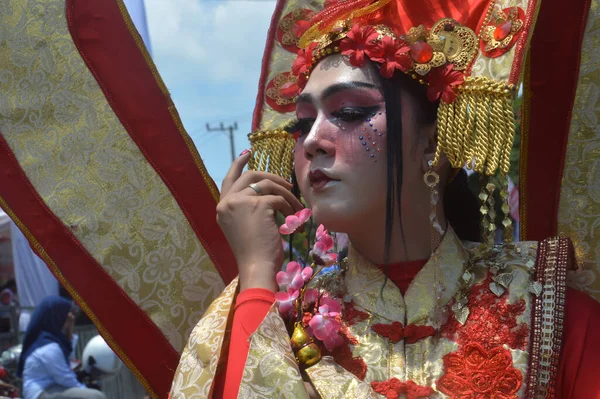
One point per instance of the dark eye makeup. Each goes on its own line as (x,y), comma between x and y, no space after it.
(351,114)
(302,125)
(344,114)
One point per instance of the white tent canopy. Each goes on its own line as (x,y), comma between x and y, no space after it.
(34,280)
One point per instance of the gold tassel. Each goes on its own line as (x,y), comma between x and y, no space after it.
(272,151)
(479,124)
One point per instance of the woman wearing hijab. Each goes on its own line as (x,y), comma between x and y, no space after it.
(44,363)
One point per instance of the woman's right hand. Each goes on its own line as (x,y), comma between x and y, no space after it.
(248,222)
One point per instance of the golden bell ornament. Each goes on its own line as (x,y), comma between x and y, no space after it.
(300,337)
(307,352)
(309,355)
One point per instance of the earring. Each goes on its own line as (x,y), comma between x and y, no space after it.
(432,179)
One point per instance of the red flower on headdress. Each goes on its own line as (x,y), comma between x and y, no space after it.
(300,27)
(357,42)
(442,82)
(302,64)
(392,54)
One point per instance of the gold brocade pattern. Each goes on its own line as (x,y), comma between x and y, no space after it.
(579,209)
(203,352)
(333,381)
(364,282)
(90,173)
(270,364)
(271,370)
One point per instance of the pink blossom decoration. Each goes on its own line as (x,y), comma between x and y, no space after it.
(325,325)
(310,296)
(324,244)
(293,222)
(293,277)
(320,232)
(286,301)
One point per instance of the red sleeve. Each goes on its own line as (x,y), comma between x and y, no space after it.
(579,369)
(251,307)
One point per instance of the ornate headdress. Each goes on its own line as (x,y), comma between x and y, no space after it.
(469,54)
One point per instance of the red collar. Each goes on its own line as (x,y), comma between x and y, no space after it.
(402,273)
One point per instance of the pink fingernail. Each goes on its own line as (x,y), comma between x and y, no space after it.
(244,152)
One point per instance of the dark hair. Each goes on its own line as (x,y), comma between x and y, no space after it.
(460,205)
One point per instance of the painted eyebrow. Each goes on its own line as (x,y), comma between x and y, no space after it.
(336,88)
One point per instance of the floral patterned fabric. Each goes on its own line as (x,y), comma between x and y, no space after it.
(579,211)
(90,173)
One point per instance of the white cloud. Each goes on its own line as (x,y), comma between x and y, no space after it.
(209,54)
(218,37)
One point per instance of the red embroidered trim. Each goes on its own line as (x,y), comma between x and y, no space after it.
(475,373)
(356,365)
(395,332)
(353,315)
(348,337)
(492,321)
(536,335)
(343,355)
(393,387)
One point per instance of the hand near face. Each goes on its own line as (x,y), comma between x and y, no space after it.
(248,222)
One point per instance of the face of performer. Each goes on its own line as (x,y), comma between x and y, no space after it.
(340,156)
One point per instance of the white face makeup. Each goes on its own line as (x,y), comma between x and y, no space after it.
(340,157)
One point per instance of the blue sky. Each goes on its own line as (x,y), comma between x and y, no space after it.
(209,53)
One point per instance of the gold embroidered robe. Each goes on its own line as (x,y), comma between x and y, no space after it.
(506,296)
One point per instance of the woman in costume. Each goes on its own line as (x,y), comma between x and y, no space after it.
(44,363)
(392,101)
(78,113)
